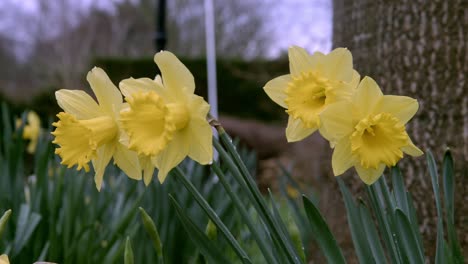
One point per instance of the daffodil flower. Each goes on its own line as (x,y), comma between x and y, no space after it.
(4,259)
(165,120)
(315,82)
(88,131)
(31,130)
(368,132)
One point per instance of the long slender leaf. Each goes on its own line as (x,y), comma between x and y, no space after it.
(407,238)
(380,200)
(360,242)
(128,255)
(212,215)
(258,199)
(280,223)
(209,249)
(27,223)
(262,244)
(371,233)
(4,220)
(152,231)
(414,222)
(440,254)
(448,176)
(399,190)
(322,234)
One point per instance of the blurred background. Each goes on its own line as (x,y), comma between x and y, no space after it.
(54,43)
(412,48)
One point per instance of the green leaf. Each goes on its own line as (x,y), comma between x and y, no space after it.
(414,221)
(212,215)
(4,220)
(44,251)
(256,232)
(360,242)
(399,190)
(449,188)
(152,231)
(371,232)
(449,194)
(208,248)
(380,201)
(279,223)
(128,255)
(440,256)
(322,234)
(254,194)
(27,223)
(407,238)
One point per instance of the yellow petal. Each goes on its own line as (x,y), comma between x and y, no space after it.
(148,169)
(128,162)
(411,149)
(4,259)
(338,65)
(299,61)
(32,130)
(367,96)
(335,121)
(106,92)
(198,107)
(402,107)
(201,141)
(130,86)
(171,156)
(355,80)
(158,80)
(276,87)
(296,130)
(33,119)
(369,176)
(342,158)
(77,103)
(174,73)
(32,146)
(103,156)
(317,59)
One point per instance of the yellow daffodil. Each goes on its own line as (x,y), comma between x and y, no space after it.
(4,259)
(165,120)
(88,131)
(31,130)
(368,132)
(315,82)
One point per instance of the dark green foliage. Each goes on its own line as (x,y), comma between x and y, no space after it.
(59,216)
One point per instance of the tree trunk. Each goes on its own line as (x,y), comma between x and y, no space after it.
(419,49)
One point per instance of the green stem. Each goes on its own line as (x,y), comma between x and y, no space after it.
(245,215)
(212,215)
(257,197)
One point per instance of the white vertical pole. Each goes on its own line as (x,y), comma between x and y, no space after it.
(211,57)
(211,64)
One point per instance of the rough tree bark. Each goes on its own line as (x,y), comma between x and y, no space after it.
(418,48)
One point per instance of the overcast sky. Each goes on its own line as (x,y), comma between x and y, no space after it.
(307,23)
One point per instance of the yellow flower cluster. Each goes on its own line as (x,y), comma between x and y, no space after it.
(365,127)
(161,122)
